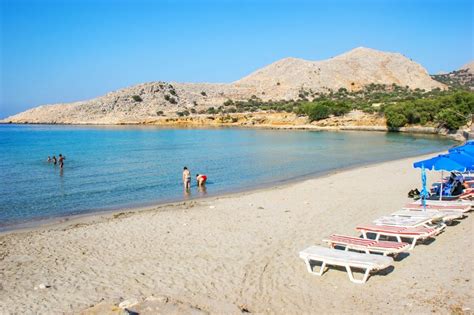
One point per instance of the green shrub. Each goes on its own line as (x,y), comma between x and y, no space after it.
(203,93)
(183,113)
(137,98)
(451,119)
(316,111)
(340,108)
(159,113)
(211,110)
(395,119)
(172,100)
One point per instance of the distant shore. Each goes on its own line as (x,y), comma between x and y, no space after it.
(264,121)
(238,252)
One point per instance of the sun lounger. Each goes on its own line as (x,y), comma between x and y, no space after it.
(461,207)
(444,215)
(398,232)
(349,260)
(403,221)
(366,245)
(448,203)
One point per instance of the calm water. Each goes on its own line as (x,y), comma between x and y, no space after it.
(111,167)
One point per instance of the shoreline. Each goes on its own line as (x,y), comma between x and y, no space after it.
(227,254)
(36,224)
(459,135)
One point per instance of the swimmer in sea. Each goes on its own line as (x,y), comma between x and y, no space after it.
(55,161)
(201,179)
(186,178)
(61,160)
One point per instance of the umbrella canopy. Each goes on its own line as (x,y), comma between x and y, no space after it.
(468,147)
(460,157)
(440,163)
(470,153)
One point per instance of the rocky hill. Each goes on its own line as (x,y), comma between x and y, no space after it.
(469,67)
(463,78)
(282,80)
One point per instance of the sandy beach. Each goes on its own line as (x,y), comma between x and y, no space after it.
(238,253)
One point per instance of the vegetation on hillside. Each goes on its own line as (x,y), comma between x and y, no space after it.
(459,79)
(401,106)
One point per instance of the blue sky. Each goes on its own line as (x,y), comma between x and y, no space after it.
(62,51)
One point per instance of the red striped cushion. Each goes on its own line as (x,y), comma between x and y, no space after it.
(386,244)
(351,240)
(419,230)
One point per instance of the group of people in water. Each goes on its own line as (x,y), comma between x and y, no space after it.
(200,179)
(55,161)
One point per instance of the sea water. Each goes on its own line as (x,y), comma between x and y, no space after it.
(114,167)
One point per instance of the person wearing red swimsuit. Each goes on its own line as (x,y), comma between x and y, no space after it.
(201,179)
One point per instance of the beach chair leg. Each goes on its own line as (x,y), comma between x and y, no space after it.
(311,270)
(359,281)
(413,243)
(377,237)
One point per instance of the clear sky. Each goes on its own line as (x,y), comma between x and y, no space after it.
(62,51)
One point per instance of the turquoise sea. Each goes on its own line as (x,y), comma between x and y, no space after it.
(122,166)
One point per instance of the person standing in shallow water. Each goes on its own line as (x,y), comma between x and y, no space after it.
(55,161)
(61,160)
(186,178)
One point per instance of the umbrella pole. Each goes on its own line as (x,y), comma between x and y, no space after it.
(441,187)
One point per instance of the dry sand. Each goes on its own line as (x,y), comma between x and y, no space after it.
(222,255)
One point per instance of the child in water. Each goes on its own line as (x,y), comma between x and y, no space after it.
(201,179)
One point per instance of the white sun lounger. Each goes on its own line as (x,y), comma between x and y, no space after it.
(415,220)
(445,215)
(403,221)
(398,232)
(460,207)
(365,245)
(449,202)
(349,260)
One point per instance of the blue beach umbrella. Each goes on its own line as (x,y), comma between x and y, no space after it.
(468,147)
(470,153)
(459,156)
(441,163)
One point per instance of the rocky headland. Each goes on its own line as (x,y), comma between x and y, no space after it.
(287,80)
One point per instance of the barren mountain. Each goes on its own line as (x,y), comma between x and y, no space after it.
(284,79)
(351,70)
